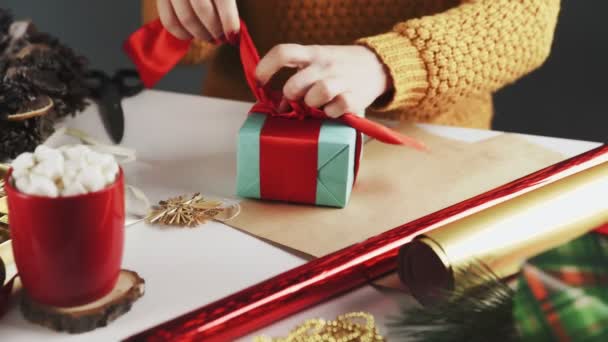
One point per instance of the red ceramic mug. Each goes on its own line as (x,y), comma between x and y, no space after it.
(68,250)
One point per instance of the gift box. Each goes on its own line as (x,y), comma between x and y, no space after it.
(302,161)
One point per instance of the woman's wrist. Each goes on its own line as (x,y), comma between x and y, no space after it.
(405,70)
(388,91)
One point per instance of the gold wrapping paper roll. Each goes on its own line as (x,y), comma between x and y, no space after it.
(503,236)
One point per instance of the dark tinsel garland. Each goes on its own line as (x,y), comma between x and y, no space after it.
(35,64)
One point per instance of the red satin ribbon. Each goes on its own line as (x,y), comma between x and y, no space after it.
(288,160)
(155,51)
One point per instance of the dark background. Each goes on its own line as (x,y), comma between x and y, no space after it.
(566,97)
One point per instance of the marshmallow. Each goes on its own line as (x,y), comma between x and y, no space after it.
(91,178)
(42,186)
(22,163)
(72,189)
(93,158)
(20,173)
(43,153)
(110,171)
(68,171)
(74,152)
(71,169)
(23,184)
(65,181)
(50,168)
(106,159)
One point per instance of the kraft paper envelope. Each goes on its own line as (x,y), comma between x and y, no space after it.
(395,185)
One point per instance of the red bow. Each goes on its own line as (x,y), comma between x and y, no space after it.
(155,51)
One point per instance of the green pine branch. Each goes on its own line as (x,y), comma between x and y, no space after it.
(479,309)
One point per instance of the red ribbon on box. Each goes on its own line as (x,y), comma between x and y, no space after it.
(288,159)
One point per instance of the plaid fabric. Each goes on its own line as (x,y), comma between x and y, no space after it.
(562,294)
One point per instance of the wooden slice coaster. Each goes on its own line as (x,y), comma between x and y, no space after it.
(128,289)
(38,107)
(2,275)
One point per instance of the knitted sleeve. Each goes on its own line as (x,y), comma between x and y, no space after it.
(199,51)
(476,47)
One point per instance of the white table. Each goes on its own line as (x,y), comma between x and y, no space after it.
(187,144)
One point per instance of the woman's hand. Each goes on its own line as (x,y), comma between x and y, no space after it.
(209,20)
(338,79)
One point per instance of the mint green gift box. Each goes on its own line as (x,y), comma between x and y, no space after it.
(335,161)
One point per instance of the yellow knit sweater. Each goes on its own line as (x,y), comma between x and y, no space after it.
(445,57)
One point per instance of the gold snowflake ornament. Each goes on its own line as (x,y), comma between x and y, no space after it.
(190,212)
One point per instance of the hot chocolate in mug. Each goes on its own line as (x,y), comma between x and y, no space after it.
(68,250)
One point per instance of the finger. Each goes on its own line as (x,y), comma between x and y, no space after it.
(205,10)
(342,104)
(170,21)
(298,85)
(189,20)
(229,16)
(283,55)
(324,91)
(283,106)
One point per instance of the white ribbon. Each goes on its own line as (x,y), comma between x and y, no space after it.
(123,155)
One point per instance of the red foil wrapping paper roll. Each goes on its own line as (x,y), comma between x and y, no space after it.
(341,271)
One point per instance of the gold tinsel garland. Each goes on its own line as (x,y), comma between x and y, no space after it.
(350,327)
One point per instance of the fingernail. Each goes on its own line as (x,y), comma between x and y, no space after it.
(219,40)
(233,38)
